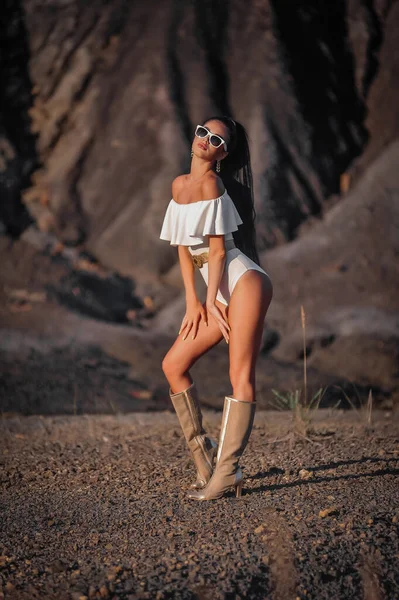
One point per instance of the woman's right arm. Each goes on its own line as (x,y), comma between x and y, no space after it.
(186,263)
(188,273)
(195,311)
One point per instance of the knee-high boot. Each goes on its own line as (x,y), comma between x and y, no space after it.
(202,446)
(237,422)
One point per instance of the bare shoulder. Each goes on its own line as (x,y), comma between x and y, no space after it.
(212,187)
(177,184)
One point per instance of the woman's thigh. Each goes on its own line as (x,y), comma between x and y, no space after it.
(184,353)
(246,313)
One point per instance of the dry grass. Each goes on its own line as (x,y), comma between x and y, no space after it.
(297,402)
(303,410)
(365,412)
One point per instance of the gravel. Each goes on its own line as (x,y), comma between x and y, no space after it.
(95,506)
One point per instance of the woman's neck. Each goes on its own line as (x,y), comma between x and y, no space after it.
(199,168)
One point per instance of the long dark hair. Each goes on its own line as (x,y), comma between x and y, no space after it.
(236,174)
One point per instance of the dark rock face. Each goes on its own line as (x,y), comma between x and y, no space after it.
(377,74)
(119,87)
(18,155)
(97,116)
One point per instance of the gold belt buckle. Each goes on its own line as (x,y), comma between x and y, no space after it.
(200,259)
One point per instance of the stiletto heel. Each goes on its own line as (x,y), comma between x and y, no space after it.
(239,489)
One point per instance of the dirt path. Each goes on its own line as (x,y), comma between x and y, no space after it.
(94,507)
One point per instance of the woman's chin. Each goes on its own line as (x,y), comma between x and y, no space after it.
(204,154)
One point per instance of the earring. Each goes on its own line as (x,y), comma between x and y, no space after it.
(218,166)
(192,153)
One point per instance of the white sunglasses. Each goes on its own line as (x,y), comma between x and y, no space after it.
(215,140)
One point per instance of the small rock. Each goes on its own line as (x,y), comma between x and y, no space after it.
(259,529)
(304,474)
(103,592)
(92,591)
(332,510)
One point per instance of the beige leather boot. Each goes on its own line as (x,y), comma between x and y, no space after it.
(202,446)
(237,421)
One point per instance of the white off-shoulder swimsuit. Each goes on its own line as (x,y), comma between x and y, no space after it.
(188,224)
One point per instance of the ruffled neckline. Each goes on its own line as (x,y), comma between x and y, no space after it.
(199,201)
(215,216)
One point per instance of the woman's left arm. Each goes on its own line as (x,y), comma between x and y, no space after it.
(213,188)
(216,264)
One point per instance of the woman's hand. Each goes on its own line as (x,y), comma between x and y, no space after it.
(217,314)
(195,311)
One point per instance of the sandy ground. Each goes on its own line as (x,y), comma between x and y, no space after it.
(95,506)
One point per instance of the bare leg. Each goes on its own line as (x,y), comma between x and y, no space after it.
(246,313)
(184,353)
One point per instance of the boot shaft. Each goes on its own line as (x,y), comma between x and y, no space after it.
(202,446)
(188,411)
(236,427)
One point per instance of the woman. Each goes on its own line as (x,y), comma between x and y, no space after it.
(200,219)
